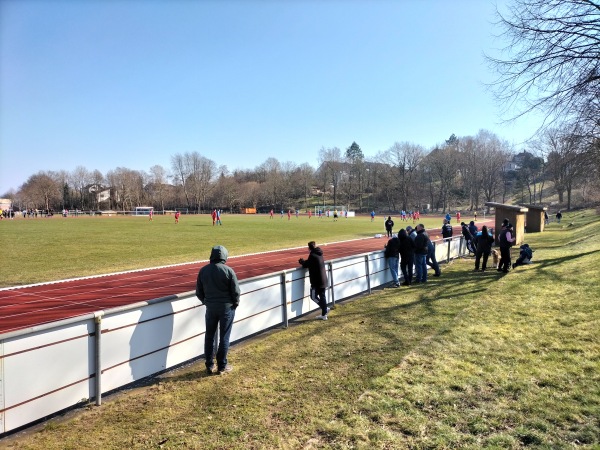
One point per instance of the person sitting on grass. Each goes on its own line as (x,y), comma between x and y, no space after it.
(525,255)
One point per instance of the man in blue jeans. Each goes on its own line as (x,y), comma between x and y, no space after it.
(218,289)
(421,250)
(392,254)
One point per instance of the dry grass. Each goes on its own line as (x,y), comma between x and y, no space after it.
(470,360)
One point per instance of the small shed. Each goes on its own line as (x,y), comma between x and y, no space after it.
(514,214)
(534,219)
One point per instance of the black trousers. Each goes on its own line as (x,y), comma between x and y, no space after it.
(318,296)
(504,264)
(478,255)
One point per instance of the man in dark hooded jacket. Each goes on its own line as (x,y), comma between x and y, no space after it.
(317,276)
(218,289)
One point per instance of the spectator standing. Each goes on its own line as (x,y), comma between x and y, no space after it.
(389,225)
(473,229)
(484,248)
(506,240)
(446,230)
(407,256)
(421,250)
(558,216)
(317,276)
(218,289)
(546,218)
(392,254)
(412,233)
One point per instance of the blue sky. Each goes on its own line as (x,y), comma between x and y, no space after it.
(129,83)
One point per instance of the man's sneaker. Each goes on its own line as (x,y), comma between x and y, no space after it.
(321,317)
(225,369)
(209,371)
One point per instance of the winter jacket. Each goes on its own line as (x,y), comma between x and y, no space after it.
(392,248)
(505,239)
(389,224)
(421,243)
(217,283)
(473,229)
(316,268)
(484,243)
(466,233)
(446,230)
(407,248)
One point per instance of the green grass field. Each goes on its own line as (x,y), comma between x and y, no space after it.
(468,361)
(36,250)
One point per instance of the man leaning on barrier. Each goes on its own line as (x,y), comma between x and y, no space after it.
(317,276)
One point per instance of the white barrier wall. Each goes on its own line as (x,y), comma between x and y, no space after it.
(53,367)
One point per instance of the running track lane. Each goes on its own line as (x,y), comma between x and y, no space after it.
(28,306)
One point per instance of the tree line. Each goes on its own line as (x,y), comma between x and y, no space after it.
(460,173)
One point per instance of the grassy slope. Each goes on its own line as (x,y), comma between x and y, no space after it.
(471,360)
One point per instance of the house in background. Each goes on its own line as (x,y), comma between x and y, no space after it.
(5,204)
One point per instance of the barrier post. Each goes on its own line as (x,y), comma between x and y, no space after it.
(330,269)
(98,358)
(448,257)
(368,272)
(284,300)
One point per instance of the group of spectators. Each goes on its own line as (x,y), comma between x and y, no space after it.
(412,247)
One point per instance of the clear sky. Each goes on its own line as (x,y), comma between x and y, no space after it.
(129,83)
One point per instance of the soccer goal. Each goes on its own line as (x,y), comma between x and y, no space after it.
(143,210)
(329,210)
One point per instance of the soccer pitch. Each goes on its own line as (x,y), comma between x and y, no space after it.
(48,249)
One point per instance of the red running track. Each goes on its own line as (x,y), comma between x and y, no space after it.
(27,306)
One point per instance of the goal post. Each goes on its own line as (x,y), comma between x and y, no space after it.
(143,210)
(330,209)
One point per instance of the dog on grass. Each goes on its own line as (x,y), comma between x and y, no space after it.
(495,258)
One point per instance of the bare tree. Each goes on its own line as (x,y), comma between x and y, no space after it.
(42,190)
(180,175)
(404,158)
(158,182)
(80,178)
(442,164)
(332,168)
(552,60)
(128,186)
(272,179)
(305,177)
(492,156)
(568,161)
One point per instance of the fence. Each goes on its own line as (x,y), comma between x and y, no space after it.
(49,368)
